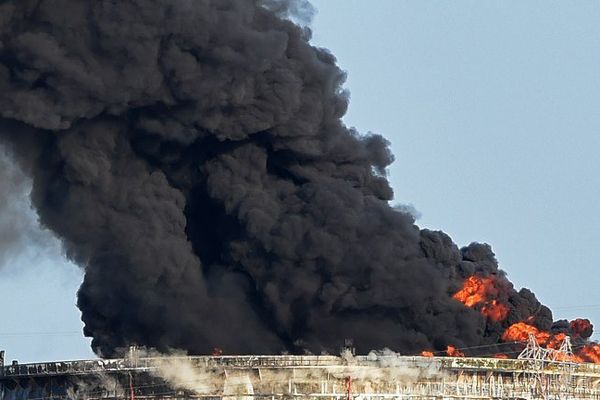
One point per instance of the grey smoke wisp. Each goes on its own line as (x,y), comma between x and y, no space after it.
(19,229)
(192,159)
(14,228)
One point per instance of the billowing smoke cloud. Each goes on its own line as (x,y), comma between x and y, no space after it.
(191,156)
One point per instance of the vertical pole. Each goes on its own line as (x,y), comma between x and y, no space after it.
(349,384)
(131,392)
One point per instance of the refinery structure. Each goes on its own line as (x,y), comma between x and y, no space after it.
(537,373)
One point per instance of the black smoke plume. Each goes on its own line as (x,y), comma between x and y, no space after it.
(191,156)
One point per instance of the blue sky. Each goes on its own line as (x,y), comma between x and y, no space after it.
(492,109)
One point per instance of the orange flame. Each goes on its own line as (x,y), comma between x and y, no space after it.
(501,356)
(495,311)
(480,291)
(474,291)
(427,353)
(520,331)
(454,352)
(571,358)
(591,353)
(581,327)
(555,341)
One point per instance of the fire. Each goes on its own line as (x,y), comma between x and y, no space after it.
(581,327)
(454,352)
(495,311)
(591,353)
(482,293)
(556,340)
(451,351)
(478,291)
(570,358)
(520,331)
(474,291)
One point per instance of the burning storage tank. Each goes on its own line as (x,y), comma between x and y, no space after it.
(379,375)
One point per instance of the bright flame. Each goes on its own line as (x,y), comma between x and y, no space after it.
(474,291)
(556,340)
(520,331)
(427,354)
(481,291)
(495,311)
(591,353)
(454,352)
(570,358)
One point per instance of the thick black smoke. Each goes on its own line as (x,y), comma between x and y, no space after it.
(191,156)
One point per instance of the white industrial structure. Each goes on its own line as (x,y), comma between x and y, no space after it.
(537,374)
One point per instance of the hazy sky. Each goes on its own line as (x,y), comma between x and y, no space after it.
(493,111)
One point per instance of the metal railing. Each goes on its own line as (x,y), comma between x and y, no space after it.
(285,361)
